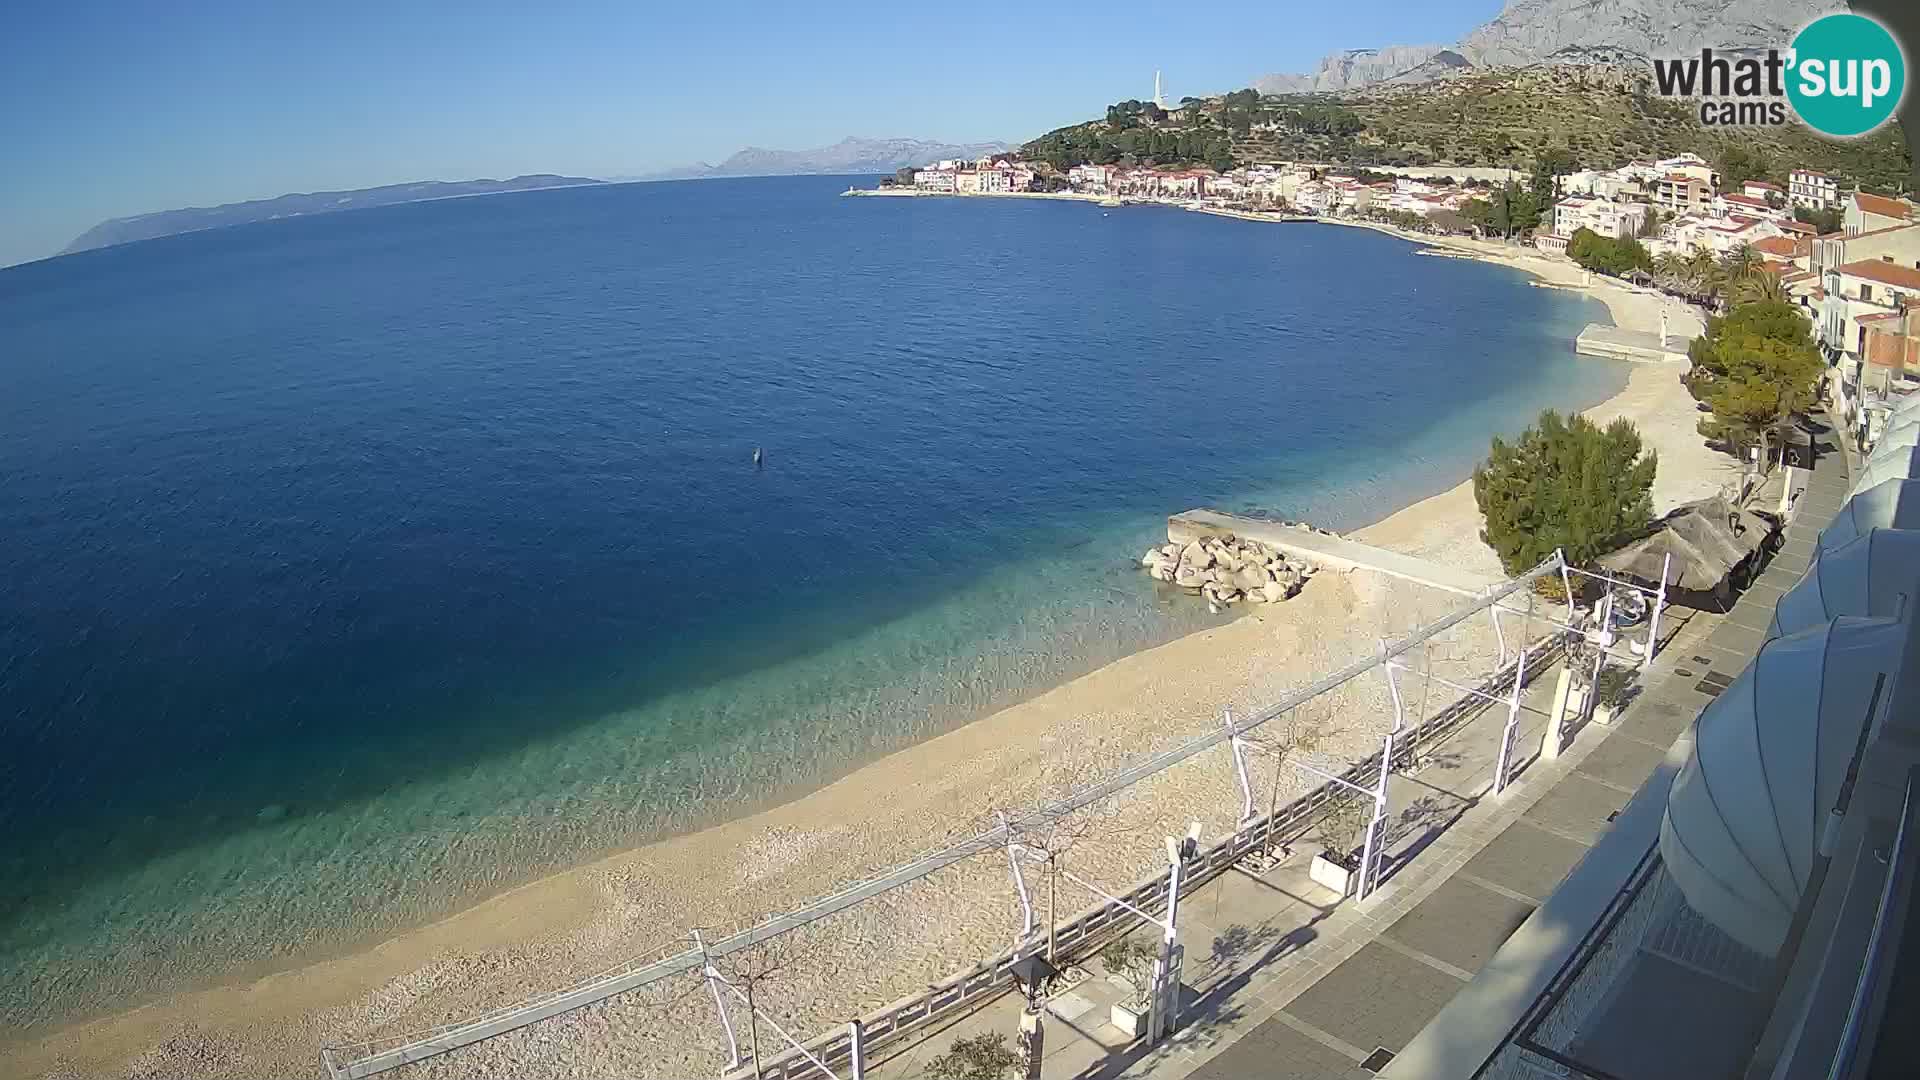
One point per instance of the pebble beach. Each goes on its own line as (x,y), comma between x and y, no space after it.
(646,901)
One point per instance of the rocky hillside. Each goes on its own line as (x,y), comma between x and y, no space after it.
(1561,31)
(193,219)
(1603,116)
(1354,67)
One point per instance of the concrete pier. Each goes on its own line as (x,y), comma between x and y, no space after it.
(1320,549)
(1613,343)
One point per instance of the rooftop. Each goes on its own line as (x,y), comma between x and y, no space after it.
(1886,273)
(1881,206)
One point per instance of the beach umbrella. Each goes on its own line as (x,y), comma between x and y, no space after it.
(1746,812)
(1698,545)
(1900,463)
(1875,574)
(1893,504)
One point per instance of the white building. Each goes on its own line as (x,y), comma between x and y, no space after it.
(1870,213)
(1095,178)
(1811,189)
(935,179)
(1613,220)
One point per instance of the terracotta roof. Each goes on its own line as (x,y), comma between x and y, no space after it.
(1886,273)
(1800,227)
(1784,246)
(1747,200)
(1882,206)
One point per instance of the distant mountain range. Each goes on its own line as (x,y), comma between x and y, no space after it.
(849,155)
(1527,32)
(170,222)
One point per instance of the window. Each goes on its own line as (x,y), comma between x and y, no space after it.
(1866,291)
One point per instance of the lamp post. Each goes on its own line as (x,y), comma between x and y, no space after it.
(1032,974)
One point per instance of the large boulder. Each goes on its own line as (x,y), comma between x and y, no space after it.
(1274,592)
(1251,578)
(1196,556)
(1187,577)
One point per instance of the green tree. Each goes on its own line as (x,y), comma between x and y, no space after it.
(1606,255)
(1479,213)
(1754,367)
(1826,220)
(1220,157)
(979,1057)
(1761,287)
(1737,164)
(1564,484)
(1549,166)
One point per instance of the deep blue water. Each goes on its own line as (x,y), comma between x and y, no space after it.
(355,566)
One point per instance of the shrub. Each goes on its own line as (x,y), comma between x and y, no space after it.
(980,1057)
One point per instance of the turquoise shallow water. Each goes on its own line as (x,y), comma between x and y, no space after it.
(369,563)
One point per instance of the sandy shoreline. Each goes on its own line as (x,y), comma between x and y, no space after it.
(644,901)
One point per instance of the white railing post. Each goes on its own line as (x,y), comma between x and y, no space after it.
(1019,884)
(1653,620)
(856,1049)
(1239,749)
(719,1005)
(1165,999)
(1499,634)
(1370,852)
(1502,770)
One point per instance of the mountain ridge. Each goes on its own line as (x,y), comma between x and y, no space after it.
(1541,31)
(852,154)
(159,223)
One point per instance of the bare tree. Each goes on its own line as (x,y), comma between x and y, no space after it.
(748,970)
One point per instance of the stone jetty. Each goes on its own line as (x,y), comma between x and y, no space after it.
(1226,569)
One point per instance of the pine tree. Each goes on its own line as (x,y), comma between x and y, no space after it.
(1565,484)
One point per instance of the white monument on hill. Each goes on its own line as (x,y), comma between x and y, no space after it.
(1159,98)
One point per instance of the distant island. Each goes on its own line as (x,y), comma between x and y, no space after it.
(849,155)
(126,230)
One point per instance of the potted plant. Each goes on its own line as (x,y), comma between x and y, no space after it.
(1611,692)
(1130,962)
(1338,864)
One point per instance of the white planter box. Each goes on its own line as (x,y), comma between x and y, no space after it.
(1127,1020)
(1332,875)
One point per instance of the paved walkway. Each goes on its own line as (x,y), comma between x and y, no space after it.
(1285,980)
(1279,969)
(1320,549)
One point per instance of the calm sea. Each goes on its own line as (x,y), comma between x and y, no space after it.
(359,565)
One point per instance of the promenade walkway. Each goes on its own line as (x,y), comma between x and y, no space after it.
(1283,979)
(1330,552)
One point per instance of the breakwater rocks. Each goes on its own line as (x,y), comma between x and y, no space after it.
(1227,570)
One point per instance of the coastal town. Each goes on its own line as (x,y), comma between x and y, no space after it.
(1848,259)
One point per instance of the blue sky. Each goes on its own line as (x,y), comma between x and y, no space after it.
(122,108)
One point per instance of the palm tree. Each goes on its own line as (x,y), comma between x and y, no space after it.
(1670,270)
(1740,263)
(1762,286)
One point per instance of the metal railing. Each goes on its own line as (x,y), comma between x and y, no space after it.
(1095,924)
(353,1061)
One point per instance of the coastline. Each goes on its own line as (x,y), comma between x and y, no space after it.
(557,928)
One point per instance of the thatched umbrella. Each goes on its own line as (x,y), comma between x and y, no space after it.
(1702,547)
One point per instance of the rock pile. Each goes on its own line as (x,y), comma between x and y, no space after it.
(1227,570)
